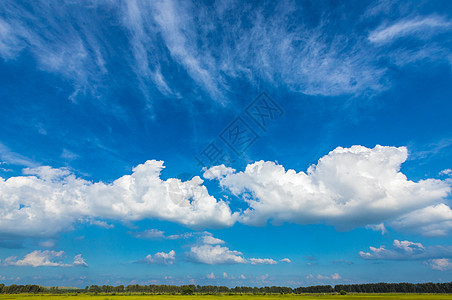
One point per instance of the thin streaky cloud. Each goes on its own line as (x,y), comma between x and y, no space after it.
(426,25)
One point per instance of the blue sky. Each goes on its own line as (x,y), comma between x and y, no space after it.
(221,142)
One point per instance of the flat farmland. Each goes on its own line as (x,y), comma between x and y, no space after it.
(228,297)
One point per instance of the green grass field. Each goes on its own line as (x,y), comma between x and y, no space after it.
(229,297)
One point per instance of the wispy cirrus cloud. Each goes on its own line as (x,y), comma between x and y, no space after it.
(162,43)
(10,157)
(418,26)
(71,47)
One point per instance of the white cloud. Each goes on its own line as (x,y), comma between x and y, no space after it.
(217,172)
(426,26)
(208,239)
(69,155)
(334,276)
(79,261)
(138,21)
(441,264)
(204,237)
(302,57)
(347,188)
(9,42)
(210,276)
(100,223)
(149,234)
(378,227)
(161,258)
(435,220)
(242,276)
(48,201)
(286,260)
(282,47)
(186,235)
(225,275)
(406,250)
(264,261)
(10,157)
(209,254)
(46,258)
(72,49)
(446,172)
(179,33)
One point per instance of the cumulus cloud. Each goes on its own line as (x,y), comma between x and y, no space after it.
(208,239)
(435,220)
(46,201)
(45,258)
(161,258)
(210,276)
(218,172)
(441,264)
(446,172)
(349,187)
(286,260)
(211,255)
(406,250)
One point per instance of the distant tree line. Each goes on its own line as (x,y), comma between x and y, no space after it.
(19,289)
(212,289)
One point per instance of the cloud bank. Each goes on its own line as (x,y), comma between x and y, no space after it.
(48,201)
(347,188)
